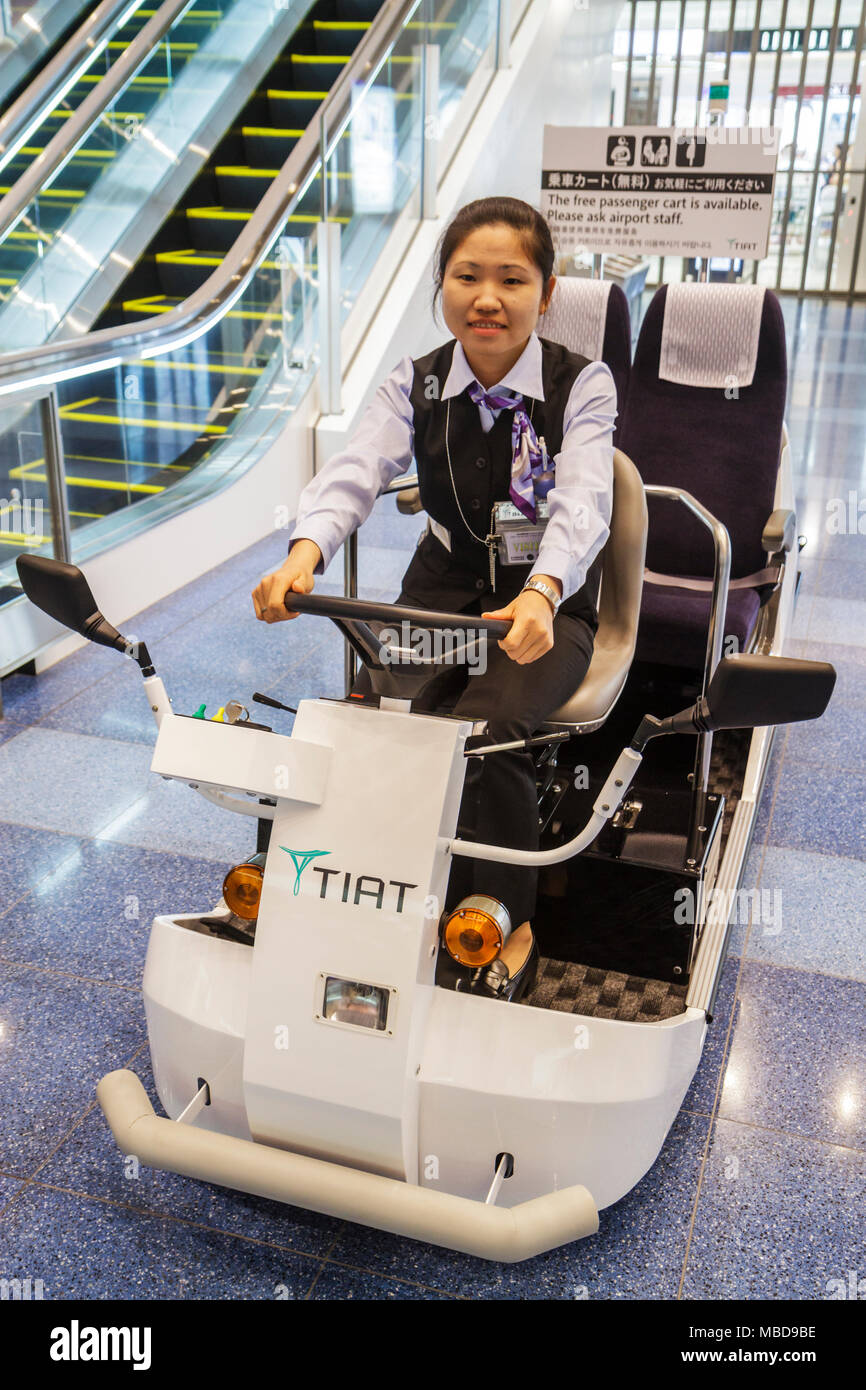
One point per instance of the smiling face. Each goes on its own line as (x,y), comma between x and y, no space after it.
(492,295)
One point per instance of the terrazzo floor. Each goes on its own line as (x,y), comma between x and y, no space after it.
(759,1189)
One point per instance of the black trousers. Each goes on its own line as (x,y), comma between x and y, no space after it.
(499,804)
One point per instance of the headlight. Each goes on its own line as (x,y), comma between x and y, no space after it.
(350,1001)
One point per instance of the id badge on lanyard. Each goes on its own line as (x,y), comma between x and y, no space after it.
(518,540)
(513,537)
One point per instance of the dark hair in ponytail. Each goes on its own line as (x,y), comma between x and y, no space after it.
(529,224)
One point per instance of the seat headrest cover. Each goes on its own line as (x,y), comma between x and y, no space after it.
(577,315)
(710,334)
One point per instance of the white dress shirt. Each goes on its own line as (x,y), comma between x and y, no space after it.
(342,494)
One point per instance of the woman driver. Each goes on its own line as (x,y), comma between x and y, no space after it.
(472,412)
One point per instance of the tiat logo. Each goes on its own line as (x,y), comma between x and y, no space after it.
(301,858)
(365,885)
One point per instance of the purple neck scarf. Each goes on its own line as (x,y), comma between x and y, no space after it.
(527,460)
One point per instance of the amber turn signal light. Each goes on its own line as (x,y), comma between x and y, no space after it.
(476,930)
(242,890)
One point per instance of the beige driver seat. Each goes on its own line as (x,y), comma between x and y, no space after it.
(622,574)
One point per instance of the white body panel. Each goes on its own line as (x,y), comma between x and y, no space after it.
(366,910)
(215,754)
(196,989)
(575,1100)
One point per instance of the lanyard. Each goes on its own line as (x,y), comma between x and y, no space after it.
(490,540)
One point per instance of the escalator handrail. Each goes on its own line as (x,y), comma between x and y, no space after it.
(33,368)
(72,132)
(50,85)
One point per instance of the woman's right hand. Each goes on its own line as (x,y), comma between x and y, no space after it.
(295,574)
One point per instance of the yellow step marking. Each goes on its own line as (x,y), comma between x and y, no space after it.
(18,538)
(239,215)
(191,258)
(24,470)
(135,306)
(319,58)
(164,43)
(241,171)
(227,370)
(53,193)
(274,92)
(79,154)
(106,116)
(136,81)
(271,131)
(144,401)
(104,484)
(91,418)
(76,405)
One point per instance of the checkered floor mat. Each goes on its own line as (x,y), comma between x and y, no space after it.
(596,993)
(727,770)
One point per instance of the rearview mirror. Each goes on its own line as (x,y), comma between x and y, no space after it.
(62,592)
(750,691)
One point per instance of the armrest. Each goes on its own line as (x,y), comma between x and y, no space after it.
(408,495)
(409,501)
(779,532)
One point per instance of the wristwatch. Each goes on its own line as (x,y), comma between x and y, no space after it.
(547,589)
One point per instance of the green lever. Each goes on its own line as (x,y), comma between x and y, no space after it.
(199,714)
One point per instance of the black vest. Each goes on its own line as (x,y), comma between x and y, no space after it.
(481,465)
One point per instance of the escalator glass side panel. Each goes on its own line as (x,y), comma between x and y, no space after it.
(25,506)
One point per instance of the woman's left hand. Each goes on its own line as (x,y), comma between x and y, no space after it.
(531,632)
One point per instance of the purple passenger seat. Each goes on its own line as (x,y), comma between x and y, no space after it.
(705,414)
(591,317)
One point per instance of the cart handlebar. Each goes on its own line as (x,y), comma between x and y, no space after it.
(364,610)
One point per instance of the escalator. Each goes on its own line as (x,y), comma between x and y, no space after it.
(131,435)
